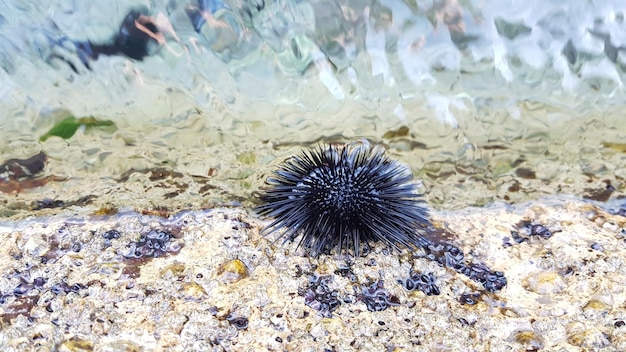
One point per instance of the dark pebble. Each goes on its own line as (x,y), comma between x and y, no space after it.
(76,287)
(469,298)
(3,298)
(319,296)
(597,247)
(423,282)
(22,289)
(376,297)
(39,281)
(59,288)
(109,235)
(77,246)
(241,323)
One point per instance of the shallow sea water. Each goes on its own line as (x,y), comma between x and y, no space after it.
(497,107)
(484,102)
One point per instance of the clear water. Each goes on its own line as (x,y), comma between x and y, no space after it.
(485,100)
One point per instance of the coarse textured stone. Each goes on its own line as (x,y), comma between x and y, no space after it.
(227,288)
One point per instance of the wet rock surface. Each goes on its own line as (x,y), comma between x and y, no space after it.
(207,280)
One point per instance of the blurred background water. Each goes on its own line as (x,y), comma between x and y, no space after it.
(486,100)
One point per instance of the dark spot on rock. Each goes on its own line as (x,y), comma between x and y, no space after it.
(241,323)
(423,282)
(3,298)
(319,296)
(39,281)
(20,174)
(76,288)
(161,173)
(527,229)
(110,235)
(469,298)
(76,247)
(59,288)
(63,287)
(153,244)
(160,211)
(495,146)
(299,271)
(22,289)
(207,188)
(180,188)
(376,297)
(621,211)
(131,272)
(517,238)
(600,194)
(597,247)
(17,169)
(346,271)
(444,254)
(568,270)
(619,324)
(54,251)
(401,131)
(540,230)
(525,173)
(506,242)
(515,187)
(82,201)
(491,280)
(464,322)
(155,174)
(48,203)
(451,256)
(21,306)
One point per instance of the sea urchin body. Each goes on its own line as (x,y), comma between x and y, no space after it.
(344,196)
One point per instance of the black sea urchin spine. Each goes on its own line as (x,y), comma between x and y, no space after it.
(344,196)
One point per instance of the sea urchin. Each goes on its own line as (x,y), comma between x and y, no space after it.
(344,196)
